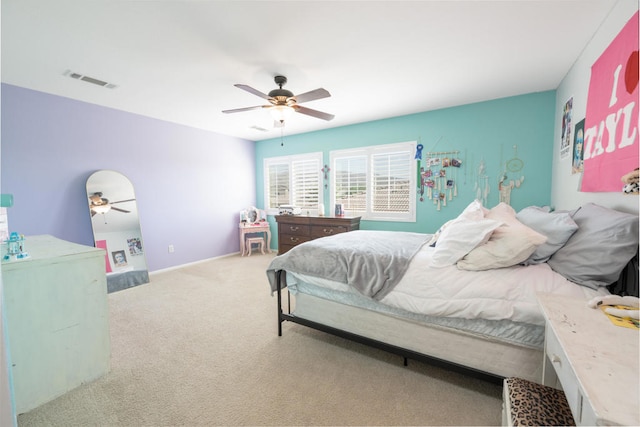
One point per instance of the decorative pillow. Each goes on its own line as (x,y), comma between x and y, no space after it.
(557,226)
(597,253)
(474,211)
(437,234)
(459,238)
(510,244)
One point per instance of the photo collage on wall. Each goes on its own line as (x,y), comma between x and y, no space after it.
(438,177)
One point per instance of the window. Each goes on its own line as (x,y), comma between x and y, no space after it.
(377,182)
(293,180)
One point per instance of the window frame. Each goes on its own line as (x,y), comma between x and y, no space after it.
(289,162)
(370,152)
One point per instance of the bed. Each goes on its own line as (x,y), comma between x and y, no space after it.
(465,296)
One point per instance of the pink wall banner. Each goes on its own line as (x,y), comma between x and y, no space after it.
(103,245)
(612,118)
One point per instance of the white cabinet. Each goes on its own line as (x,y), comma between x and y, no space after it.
(57,319)
(596,362)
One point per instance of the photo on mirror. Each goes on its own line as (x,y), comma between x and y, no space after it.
(135,246)
(119,258)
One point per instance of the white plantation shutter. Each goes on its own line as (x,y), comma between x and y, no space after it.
(306,183)
(293,180)
(391,182)
(377,182)
(351,183)
(277,184)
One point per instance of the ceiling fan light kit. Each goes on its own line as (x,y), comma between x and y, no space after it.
(281,113)
(101,209)
(101,205)
(283,103)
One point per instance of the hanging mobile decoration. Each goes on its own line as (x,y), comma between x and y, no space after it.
(439,177)
(505,184)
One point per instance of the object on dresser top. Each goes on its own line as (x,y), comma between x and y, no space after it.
(15,248)
(621,310)
(289,210)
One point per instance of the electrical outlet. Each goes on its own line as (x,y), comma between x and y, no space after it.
(171,249)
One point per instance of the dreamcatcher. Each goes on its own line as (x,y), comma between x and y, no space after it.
(505,185)
(481,186)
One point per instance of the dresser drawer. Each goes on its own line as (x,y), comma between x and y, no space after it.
(294,229)
(564,371)
(327,230)
(292,239)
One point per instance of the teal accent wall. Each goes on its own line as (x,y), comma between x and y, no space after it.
(486,130)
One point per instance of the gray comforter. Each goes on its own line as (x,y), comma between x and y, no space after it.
(371,262)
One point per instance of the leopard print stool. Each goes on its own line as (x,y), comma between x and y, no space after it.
(531,404)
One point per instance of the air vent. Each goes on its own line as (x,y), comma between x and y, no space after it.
(89,79)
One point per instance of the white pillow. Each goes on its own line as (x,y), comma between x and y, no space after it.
(473,211)
(510,244)
(459,238)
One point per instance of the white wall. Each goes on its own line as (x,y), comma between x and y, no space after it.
(565,185)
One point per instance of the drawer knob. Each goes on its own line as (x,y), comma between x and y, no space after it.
(328,231)
(294,228)
(295,239)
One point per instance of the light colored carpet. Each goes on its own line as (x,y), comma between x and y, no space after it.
(199,346)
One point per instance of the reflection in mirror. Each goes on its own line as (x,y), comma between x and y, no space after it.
(116,228)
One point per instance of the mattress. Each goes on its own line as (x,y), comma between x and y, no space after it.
(517,333)
(452,346)
(498,304)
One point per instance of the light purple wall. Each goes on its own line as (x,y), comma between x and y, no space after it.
(190,184)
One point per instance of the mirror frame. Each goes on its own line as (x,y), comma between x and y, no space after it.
(123,238)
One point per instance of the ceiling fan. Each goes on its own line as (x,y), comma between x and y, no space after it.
(282,103)
(101,205)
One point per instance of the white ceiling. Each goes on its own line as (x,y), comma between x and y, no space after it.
(178,60)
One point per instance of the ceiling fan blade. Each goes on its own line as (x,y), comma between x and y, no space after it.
(312,95)
(238,110)
(119,210)
(253,91)
(122,201)
(313,113)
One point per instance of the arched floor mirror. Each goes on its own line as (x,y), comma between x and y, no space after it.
(116,228)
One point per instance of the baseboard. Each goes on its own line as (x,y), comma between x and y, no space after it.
(177,267)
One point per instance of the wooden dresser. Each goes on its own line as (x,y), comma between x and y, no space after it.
(296,229)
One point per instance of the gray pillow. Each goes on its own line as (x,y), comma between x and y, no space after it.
(603,245)
(558,227)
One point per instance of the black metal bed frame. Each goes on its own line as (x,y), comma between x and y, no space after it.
(406,354)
